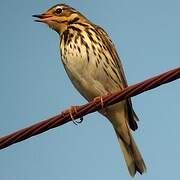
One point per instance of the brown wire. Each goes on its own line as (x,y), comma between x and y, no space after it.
(90,107)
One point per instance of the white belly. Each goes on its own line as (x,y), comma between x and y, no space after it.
(86,69)
(84,78)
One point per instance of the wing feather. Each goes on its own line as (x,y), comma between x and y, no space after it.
(132,117)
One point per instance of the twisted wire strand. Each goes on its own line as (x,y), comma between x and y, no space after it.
(76,112)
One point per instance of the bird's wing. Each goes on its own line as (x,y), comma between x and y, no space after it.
(132,117)
(112,50)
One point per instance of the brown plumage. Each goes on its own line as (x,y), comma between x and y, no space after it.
(94,67)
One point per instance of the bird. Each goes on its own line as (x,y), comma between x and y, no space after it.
(95,69)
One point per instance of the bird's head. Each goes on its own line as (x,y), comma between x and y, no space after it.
(59,17)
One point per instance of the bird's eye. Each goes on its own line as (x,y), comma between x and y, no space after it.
(58,11)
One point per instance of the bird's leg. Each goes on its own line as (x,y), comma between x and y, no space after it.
(97,99)
(72,112)
(100,98)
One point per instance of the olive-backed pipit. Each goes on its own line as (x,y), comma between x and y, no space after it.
(94,67)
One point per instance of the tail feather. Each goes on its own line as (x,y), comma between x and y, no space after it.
(123,118)
(133,158)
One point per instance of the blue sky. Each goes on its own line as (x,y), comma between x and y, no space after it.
(34,87)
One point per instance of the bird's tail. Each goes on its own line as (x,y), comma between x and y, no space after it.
(132,155)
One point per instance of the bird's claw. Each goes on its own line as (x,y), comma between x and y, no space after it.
(72,111)
(78,122)
(101,100)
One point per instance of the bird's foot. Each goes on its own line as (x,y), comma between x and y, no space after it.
(73,112)
(97,99)
(100,98)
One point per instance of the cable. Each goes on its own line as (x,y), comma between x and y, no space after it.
(76,112)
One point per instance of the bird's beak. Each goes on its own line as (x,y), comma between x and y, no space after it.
(44,18)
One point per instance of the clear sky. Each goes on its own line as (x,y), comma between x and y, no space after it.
(34,87)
